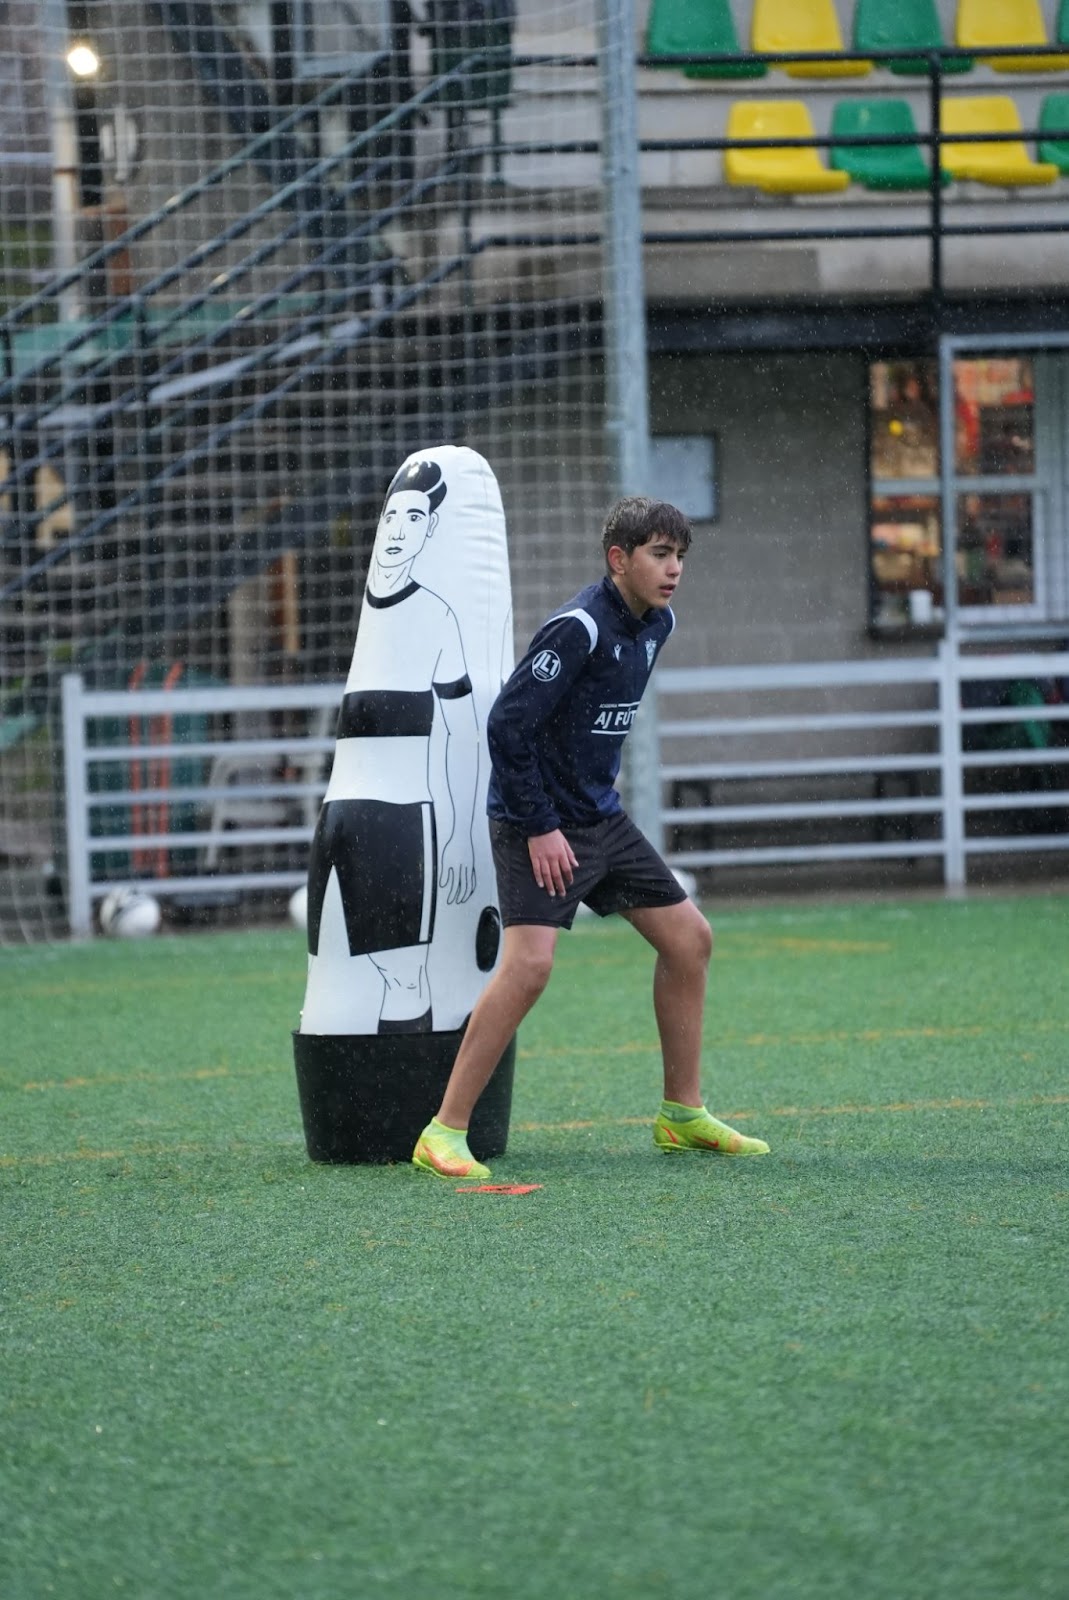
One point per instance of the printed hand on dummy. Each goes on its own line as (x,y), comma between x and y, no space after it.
(458,871)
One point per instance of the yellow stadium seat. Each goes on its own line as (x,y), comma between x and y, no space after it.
(791,170)
(1008,164)
(983,23)
(798,25)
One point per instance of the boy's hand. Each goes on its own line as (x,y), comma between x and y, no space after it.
(552,860)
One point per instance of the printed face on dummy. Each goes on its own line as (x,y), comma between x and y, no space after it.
(406,524)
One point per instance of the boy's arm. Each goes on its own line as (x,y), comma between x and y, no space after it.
(540,681)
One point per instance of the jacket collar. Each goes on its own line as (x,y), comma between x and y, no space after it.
(634,624)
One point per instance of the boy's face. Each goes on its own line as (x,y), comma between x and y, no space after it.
(648,576)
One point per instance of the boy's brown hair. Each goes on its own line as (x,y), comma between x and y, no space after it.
(636,519)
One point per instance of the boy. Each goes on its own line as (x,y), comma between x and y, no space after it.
(561,836)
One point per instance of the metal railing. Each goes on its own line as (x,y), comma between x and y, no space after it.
(779,760)
(933,796)
(147,387)
(935,229)
(148,797)
(57,286)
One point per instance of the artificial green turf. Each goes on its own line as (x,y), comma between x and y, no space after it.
(838,1372)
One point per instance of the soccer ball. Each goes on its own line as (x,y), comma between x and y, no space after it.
(298,907)
(129,914)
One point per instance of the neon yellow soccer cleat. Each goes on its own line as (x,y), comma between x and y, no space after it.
(444,1151)
(690,1128)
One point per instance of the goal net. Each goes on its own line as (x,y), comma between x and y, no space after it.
(250,258)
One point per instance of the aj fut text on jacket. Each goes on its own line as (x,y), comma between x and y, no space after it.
(557,728)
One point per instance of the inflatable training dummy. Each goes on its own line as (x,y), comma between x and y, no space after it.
(403,923)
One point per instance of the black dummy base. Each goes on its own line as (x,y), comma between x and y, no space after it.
(368,1097)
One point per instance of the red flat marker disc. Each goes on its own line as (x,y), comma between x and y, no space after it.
(499,1188)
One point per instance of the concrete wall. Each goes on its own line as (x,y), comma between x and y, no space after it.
(782,574)
(548,450)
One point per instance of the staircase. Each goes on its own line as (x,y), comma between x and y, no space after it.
(198,431)
(193,433)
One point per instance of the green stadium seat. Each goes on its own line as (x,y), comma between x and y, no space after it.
(903,24)
(695,27)
(897,166)
(1061,32)
(1054,115)
(803,25)
(983,23)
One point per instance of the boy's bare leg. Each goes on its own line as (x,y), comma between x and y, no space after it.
(526,963)
(683,941)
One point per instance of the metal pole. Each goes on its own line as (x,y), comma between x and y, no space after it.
(949,650)
(935,151)
(79,911)
(948,487)
(950,763)
(54,31)
(624,313)
(623,291)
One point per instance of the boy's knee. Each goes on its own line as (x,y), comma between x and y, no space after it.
(694,939)
(530,970)
(703,941)
(695,947)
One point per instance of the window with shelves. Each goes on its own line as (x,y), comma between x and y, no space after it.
(997,532)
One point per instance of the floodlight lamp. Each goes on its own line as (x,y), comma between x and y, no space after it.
(83,60)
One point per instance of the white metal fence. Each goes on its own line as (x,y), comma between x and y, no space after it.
(129,758)
(945,756)
(216,789)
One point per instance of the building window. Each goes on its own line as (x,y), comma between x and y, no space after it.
(682,471)
(996,470)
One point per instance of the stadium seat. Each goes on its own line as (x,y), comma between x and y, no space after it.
(792,170)
(1007,164)
(903,24)
(898,166)
(983,23)
(791,25)
(1054,115)
(694,27)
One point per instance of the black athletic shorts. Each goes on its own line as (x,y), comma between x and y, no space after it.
(619,870)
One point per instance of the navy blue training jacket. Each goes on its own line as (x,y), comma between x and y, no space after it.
(557,728)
